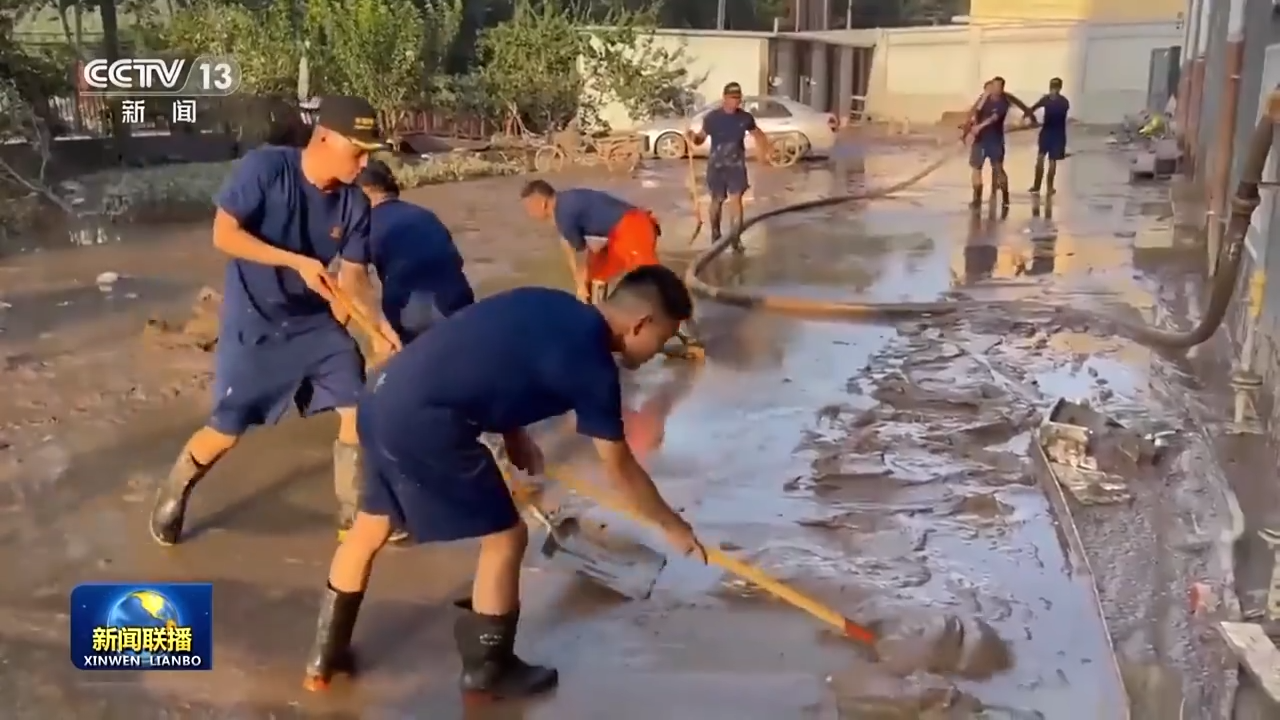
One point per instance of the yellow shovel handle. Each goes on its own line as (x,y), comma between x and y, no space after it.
(744,570)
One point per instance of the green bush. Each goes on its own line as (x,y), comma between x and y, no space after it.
(189,188)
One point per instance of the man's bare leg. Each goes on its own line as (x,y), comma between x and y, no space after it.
(975,178)
(735,222)
(340,604)
(715,210)
(198,456)
(1000,182)
(1039,174)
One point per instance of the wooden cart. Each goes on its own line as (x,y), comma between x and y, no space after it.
(616,152)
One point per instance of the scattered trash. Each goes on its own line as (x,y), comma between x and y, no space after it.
(107,280)
(1090,454)
(1272,539)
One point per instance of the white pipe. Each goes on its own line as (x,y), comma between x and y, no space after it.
(1202,28)
(1235,21)
(1190,33)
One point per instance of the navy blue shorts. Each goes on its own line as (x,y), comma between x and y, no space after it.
(257,377)
(1053,146)
(442,487)
(986,150)
(726,180)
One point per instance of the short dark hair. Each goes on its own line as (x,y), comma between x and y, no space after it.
(659,287)
(541,188)
(1055,82)
(378,175)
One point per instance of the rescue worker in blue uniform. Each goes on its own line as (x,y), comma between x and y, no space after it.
(283,216)
(727,179)
(498,366)
(1052,143)
(986,124)
(412,253)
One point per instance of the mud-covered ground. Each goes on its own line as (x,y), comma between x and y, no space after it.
(882,468)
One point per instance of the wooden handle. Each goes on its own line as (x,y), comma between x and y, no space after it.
(362,321)
(744,570)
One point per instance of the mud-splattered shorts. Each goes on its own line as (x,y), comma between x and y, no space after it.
(258,376)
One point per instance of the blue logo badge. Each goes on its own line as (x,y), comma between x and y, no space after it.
(117,626)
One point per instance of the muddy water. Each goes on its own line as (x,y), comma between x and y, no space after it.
(880,468)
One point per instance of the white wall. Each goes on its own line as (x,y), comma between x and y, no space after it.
(920,73)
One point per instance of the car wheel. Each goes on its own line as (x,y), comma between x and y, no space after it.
(670,146)
(788,149)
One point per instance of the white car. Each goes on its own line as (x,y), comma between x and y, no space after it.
(810,132)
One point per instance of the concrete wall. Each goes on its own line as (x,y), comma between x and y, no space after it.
(992,11)
(920,73)
(713,59)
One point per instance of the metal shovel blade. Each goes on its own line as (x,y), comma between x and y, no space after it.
(627,568)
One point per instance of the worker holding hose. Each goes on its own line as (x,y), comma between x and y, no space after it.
(282,216)
(579,214)
(986,125)
(1052,143)
(499,366)
(727,126)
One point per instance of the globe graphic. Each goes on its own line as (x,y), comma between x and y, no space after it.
(144,608)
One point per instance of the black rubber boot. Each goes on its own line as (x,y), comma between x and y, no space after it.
(170,510)
(348,477)
(490,669)
(331,652)
(1035,186)
(976,202)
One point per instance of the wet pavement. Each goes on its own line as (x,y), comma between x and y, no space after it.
(880,467)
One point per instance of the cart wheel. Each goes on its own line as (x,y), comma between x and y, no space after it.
(630,158)
(610,158)
(549,159)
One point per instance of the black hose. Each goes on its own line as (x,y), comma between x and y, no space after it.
(1223,282)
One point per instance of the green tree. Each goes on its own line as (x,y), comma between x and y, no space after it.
(548,66)
(376,49)
(262,41)
(530,65)
(626,64)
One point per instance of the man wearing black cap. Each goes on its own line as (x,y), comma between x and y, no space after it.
(727,160)
(282,216)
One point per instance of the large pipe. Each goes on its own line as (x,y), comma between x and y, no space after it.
(1224,142)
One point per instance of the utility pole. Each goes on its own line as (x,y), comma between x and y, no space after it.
(721,7)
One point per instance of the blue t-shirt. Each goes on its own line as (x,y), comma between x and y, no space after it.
(1056,109)
(506,362)
(413,254)
(727,131)
(275,203)
(581,213)
(997,107)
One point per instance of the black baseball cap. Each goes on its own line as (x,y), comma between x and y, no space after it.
(377,174)
(353,118)
(732,88)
